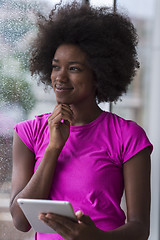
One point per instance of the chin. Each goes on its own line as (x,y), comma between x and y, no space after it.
(63,101)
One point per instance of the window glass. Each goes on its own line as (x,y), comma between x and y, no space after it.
(100,3)
(20,97)
(134,103)
(141,103)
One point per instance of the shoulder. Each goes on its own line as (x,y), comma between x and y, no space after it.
(32,123)
(126,128)
(31,130)
(129,136)
(120,123)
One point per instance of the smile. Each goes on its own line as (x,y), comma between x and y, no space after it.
(62,88)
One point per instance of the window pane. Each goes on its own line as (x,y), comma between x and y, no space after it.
(20,97)
(142,101)
(99,3)
(134,103)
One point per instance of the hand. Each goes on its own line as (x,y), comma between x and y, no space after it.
(59,125)
(83,229)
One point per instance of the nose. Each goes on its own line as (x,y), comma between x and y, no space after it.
(61,79)
(61,76)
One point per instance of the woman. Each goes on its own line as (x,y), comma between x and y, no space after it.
(80,153)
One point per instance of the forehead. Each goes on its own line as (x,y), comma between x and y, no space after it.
(70,52)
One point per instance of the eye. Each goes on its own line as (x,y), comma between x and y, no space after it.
(75,69)
(55,67)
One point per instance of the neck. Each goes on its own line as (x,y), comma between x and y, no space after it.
(85,114)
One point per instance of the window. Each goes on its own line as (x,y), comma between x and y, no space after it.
(20,97)
(99,3)
(142,100)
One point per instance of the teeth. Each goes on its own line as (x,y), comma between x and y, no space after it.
(62,88)
(59,87)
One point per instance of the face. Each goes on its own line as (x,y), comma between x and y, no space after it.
(72,79)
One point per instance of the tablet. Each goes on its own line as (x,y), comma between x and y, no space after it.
(33,207)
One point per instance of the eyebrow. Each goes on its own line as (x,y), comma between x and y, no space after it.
(71,62)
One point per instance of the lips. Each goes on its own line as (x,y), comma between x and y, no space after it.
(62,88)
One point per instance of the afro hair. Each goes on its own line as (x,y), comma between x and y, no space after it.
(109,39)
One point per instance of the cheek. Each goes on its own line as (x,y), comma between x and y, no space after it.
(90,84)
(51,75)
(86,87)
(52,79)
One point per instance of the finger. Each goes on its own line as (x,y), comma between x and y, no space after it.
(61,107)
(64,112)
(55,109)
(57,226)
(54,113)
(79,214)
(67,109)
(64,221)
(86,219)
(59,117)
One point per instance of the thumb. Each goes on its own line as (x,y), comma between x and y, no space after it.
(79,214)
(84,218)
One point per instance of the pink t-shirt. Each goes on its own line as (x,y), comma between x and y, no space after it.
(89,171)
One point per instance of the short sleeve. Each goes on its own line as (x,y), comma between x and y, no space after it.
(134,139)
(25,131)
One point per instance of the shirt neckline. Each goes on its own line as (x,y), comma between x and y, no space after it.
(88,125)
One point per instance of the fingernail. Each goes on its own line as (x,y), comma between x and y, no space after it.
(79,213)
(42,217)
(49,216)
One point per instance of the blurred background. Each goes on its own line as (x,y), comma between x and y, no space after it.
(21,98)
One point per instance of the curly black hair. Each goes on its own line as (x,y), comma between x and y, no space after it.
(109,39)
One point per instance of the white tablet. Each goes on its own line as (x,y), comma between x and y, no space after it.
(33,207)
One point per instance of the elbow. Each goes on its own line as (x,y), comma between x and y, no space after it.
(142,230)
(145,235)
(19,225)
(145,231)
(19,221)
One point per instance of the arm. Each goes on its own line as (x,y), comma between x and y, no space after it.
(26,183)
(137,188)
